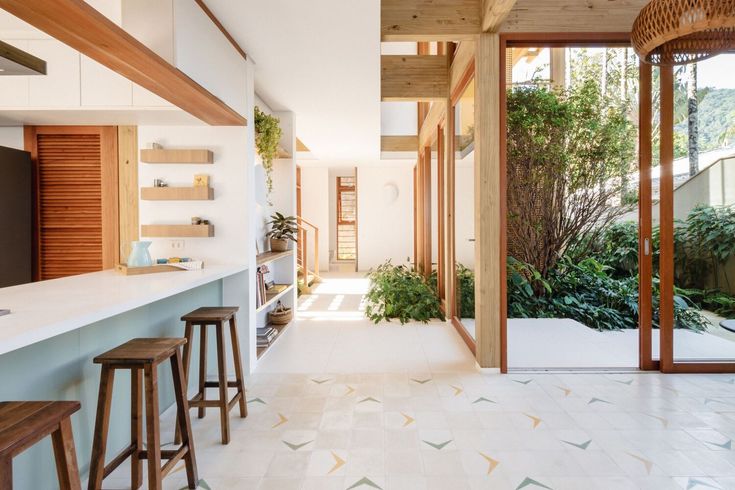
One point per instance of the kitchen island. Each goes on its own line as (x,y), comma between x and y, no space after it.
(57,327)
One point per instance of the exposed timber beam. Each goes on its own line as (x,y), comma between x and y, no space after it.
(494,13)
(464,56)
(79,25)
(413,77)
(429,20)
(399,143)
(572,16)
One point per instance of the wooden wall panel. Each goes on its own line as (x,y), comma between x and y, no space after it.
(488,208)
(413,77)
(127,143)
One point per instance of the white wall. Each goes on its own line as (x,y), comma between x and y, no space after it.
(12,137)
(228,212)
(315,209)
(384,230)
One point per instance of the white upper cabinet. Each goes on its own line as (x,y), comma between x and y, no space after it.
(61,86)
(102,87)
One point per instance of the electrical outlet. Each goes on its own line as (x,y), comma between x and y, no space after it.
(177,244)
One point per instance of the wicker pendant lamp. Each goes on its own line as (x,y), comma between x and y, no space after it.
(676,32)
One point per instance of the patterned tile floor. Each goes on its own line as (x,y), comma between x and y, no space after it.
(423,424)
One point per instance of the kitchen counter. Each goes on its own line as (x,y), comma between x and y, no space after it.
(45,309)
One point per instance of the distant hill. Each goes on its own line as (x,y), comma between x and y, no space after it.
(716,121)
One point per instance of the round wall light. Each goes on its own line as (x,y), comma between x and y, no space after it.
(390,193)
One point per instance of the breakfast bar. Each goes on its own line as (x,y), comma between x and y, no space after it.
(55,328)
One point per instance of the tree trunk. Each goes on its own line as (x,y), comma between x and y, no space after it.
(603,78)
(693,109)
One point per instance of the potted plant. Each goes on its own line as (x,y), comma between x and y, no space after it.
(267,137)
(283,229)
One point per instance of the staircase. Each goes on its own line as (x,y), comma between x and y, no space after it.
(308,271)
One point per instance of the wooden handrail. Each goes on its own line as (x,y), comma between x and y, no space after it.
(303,246)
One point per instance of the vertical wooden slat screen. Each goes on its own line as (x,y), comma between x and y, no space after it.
(76,199)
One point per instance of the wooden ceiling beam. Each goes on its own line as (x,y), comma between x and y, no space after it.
(494,13)
(572,16)
(399,143)
(77,24)
(413,77)
(430,20)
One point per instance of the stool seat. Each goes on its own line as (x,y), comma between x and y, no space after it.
(24,423)
(211,314)
(139,351)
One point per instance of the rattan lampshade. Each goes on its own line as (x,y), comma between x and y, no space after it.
(676,32)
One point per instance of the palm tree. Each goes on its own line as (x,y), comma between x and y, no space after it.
(693,119)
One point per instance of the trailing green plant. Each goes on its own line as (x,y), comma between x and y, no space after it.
(267,138)
(282,227)
(397,291)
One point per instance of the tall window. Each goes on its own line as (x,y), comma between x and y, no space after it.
(346,218)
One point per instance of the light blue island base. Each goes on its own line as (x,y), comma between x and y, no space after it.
(61,368)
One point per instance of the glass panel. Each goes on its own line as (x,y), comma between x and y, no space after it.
(572,198)
(464,202)
(704,217)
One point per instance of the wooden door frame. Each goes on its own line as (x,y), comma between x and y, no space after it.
(109,182)
(440,221)
(557,40)
(451,142)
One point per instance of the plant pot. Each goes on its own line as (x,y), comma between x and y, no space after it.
(279,245)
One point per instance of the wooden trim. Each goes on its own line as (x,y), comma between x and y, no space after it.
(127,144)
(30,144)
(222,29)
(565,39)
(462,69)
(451,284)
(440,205)
(463,81)
(427,131)
(425,203)
(466,337)
(503,197)
(645,226)
(79,25)
(416,216)
(171,156)
(494,13)
(666,219)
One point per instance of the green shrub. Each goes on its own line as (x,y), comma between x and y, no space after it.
(399,292)
(466,291)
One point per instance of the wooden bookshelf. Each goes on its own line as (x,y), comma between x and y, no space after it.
(178,231)
(268,257)
(177,193)
(176,156)
(280,329)
(273,297)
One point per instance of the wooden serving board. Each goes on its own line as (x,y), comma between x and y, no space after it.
(135,271)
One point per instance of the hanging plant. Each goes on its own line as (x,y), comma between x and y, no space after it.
(267,137)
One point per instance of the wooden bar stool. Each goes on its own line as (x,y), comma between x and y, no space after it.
(142,357)
(23,424)
(216,316)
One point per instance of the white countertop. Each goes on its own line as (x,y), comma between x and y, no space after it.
(42,310)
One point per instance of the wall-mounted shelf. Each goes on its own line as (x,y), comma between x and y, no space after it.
(268,257)
(176,156)
(279,329)
(177,193)
(272,298)
(179,231)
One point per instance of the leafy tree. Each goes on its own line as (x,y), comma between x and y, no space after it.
(566,153)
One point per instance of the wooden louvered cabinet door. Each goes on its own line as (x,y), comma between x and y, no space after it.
(76,212)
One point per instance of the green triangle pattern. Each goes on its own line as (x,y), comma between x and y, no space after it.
(438,446)
(583,446)
(530,481)
(364,481)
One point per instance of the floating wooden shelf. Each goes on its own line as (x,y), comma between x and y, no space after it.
(268,257)
(177,193)
(196,231)
(176,156)
(272,298)
(280,329)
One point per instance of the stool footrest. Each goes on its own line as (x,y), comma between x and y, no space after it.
(215,384)
(119,459)
(203,403)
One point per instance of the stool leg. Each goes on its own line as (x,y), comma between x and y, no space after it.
(238,366)
(202,367)
(66,456)
(6,473)
(136,426)
(153,449)
(187,361)
(184,422)
(222,371)
(101,427)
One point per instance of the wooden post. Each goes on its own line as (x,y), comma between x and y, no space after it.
(666,220)
(488,208)
(127,161)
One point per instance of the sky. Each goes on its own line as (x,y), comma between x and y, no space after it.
(717,72)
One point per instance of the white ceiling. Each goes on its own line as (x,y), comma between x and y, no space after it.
(321,60)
